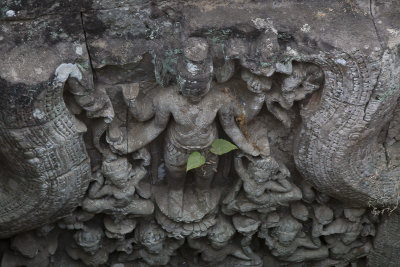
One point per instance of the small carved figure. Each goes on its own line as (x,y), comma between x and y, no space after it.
(349,231)
(265,185)
(303,79)
(152,245)
(118,227)
(323,215)
(247,226)
(299,211)
(344,236)
(218,245)
(116,193)
(307,191)
(288,242)
(90,246)
(31,249)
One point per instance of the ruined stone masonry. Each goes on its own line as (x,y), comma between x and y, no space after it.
(286,112)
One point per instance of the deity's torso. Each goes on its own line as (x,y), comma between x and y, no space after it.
(194,126)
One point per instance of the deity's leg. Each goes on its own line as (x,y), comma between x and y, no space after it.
(205,174)
(175,166)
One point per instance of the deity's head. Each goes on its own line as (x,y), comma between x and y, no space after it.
(221,233)
(89,239)
(353,214)
(323,214)
(287,230)
(151,236)
(264,169)
(118,171)
(194,69)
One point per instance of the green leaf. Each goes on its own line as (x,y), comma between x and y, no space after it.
(195,160)
(221,146)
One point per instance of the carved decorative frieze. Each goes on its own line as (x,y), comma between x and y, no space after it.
(199,133)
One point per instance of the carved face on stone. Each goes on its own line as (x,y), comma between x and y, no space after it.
(353,215)
(89,240)
(323,214)
(287,230)
(221,233)
(117,171)
(263,169)
(152,237)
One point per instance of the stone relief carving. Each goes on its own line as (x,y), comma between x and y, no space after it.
(96,131)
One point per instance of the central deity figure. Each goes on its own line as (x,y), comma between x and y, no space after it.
(194,104)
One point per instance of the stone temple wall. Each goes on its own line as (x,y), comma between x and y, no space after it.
(199,133)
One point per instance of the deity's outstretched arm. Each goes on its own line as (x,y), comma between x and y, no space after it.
(141,134)
(95,101)
(240,169)
(274,104)
(140,104)
(230,127)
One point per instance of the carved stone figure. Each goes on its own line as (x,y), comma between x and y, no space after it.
(265,185)
(218,245)
(31,249)
(303,80)
(154,248)
(103,103)
(90,246)
(116,195)
(192,129)
(287,241)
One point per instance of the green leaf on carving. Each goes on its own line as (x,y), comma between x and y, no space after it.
(221,146)
(195,160)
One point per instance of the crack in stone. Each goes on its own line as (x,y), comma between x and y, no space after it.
(87,46)
(371,11)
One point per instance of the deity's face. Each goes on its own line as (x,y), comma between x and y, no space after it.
(119,180)
(88,240)
(118,172)
(261,174)
(221,234)
(194,93)
(285,237)
(258,174)
(152,237)
(154,247)
(219,241)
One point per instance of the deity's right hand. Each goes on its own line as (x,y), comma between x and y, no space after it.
(254,152)
(115,138)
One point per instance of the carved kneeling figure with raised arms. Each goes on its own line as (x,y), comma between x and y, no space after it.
(265,185)
(116,193)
